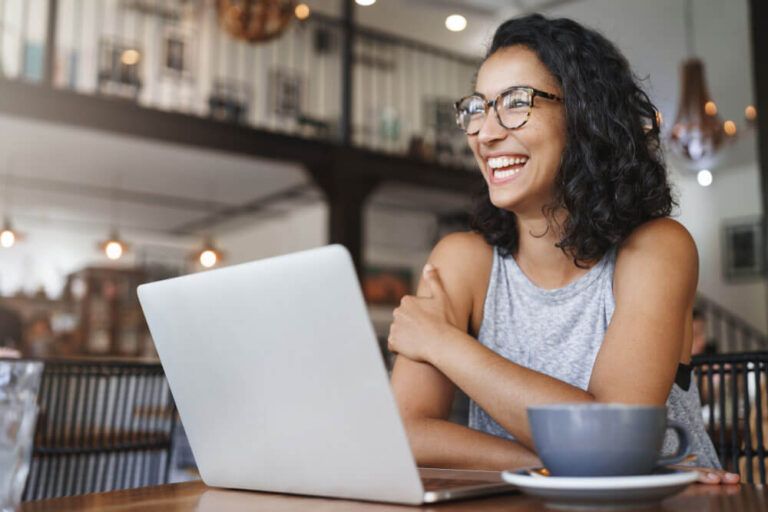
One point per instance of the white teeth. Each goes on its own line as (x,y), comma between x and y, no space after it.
(506,174)
(503,161)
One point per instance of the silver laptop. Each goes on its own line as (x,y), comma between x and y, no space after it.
(281,387)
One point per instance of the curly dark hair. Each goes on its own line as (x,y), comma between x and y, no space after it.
(612,176)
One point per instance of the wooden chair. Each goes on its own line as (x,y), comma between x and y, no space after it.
(101,426)
(734,392)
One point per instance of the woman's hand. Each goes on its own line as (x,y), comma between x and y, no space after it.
(421,322)
(711,476)
(716,476)
(6,352)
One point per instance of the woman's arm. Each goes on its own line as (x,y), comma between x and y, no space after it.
(654,289)
(424,394)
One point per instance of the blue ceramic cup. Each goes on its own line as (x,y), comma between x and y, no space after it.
(603,439)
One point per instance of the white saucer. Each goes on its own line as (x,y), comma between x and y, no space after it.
(621,491)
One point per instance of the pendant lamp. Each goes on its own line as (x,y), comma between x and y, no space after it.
(697,133)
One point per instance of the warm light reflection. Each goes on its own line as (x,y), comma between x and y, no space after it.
(302,11)
(730,128)
(750,113)
(7,238)
(208,258)
(710,108)
(113,249)
(130,57)
(455,22)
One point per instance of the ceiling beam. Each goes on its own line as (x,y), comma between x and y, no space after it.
(114,194)
(255,206)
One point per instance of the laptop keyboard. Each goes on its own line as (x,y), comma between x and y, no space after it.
(438,484)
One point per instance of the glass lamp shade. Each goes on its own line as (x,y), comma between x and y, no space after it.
(255,20)
(696,135)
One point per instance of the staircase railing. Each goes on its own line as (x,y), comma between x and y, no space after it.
(728,331)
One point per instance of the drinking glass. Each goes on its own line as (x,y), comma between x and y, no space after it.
(19,383)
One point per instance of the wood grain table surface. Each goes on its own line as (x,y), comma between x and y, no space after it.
(196,496)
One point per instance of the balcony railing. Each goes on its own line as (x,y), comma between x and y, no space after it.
(174,55)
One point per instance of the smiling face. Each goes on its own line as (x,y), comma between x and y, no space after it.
(520,165)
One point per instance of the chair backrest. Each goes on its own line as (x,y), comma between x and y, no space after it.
(101,426)
(734,396)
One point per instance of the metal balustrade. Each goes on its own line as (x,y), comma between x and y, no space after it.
(101,426)
(734,393)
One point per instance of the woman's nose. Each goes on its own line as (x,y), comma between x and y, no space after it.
(491,130)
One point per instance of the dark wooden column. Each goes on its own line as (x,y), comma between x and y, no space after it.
(346,193)
(758,16)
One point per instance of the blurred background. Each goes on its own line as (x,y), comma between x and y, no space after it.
(144,139)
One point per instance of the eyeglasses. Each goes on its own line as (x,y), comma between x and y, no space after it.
(512,106)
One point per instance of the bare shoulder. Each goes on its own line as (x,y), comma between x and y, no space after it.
(658,249)
(464,262)
(461,248)
(662,237)
(465,255)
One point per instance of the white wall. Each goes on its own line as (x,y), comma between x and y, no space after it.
(733,195)
(51,251)
(305,227)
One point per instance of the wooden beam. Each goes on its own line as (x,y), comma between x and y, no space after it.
(758,15)
(346,194)
(125,117)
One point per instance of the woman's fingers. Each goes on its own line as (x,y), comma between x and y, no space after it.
(717,476)
(710,475)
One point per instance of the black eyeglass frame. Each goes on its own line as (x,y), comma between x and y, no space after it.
(532,92)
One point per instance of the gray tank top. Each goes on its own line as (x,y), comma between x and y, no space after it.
(559,332)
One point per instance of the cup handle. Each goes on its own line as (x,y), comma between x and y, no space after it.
(684,444)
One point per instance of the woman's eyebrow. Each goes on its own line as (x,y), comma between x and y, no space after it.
(477,93)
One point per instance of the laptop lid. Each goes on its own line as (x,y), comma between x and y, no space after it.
(279,379)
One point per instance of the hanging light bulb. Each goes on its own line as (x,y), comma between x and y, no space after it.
(455,22)
(114,248)
(208,258)
(750,113)
(302,11)
(729,127)
(8,237)
(704,177)
(209,255)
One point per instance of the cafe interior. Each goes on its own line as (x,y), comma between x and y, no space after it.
(148,139)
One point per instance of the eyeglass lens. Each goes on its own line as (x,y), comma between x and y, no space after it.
(512,106)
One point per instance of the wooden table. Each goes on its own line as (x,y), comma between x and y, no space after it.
(195,496)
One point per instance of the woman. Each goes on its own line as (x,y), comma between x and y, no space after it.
(575,285)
